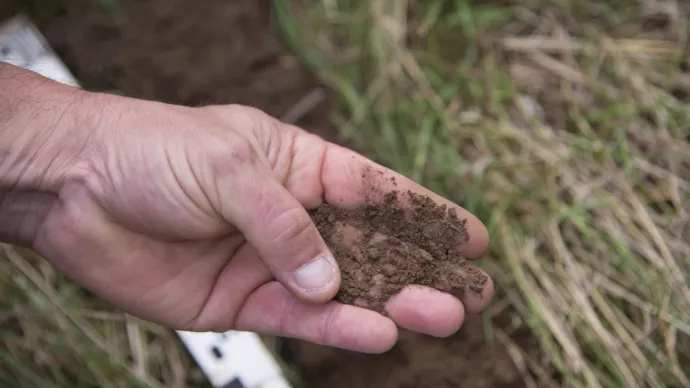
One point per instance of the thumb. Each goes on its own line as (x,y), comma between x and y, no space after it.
(280,229)
(289,244)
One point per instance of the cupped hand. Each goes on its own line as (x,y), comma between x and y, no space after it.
(195,218)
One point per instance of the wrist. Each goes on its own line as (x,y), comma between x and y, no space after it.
(44,129)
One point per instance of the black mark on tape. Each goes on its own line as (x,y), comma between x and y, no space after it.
(236,383)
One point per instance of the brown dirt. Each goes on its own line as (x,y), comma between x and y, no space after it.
(416,361)
(219,51)
(187,52)
(404,239)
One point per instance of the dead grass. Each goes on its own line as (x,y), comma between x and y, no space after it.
(56,334)
(563,125)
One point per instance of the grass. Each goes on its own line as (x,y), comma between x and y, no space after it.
(55,334)
(565,126)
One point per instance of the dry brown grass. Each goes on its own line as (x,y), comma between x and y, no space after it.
(54,333)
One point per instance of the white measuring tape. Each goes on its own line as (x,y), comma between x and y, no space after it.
(234,359)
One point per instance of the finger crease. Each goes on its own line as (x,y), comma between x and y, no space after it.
(288,310)
(194,321)
(322,163)
(333,311)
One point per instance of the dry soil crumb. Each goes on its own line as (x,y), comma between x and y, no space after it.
(404,239)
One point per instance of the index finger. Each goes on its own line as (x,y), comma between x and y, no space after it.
(350,180)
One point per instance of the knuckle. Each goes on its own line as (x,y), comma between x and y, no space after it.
(251,121)
(229,153)
(248,113)
(248,121)
(291,226)
(240,150)
(239,116)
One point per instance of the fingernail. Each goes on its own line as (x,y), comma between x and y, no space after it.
(316,274)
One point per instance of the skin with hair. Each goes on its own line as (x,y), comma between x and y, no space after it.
(195,218)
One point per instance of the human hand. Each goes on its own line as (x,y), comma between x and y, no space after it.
(195,218)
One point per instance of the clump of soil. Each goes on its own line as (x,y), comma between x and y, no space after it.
(406,238)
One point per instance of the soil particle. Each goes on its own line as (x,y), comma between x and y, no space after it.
(403,239)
